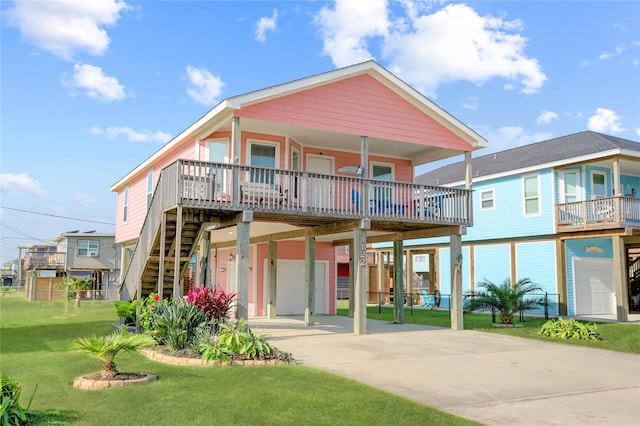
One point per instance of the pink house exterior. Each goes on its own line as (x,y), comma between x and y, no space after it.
(263,189)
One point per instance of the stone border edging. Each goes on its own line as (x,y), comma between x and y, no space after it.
(97,384)
(199,362)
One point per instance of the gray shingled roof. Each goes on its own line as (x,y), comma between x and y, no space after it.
(552,150)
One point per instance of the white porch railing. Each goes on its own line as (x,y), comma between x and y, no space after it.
(237,187)
(618,211)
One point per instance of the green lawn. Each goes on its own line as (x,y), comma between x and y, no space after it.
(36,349)
(622,337)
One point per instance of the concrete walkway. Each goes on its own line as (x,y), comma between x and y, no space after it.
(493,379)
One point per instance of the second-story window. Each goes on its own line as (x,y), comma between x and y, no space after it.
(262,155)
(531,192)
(149,188)
(125,204)
(89,248)
(487,198)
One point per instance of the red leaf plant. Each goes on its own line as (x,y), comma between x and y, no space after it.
(214,303)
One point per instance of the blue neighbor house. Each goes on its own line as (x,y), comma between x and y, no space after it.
(564,212)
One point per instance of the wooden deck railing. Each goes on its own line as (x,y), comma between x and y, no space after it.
(218,185)
(51,260)
(615,211)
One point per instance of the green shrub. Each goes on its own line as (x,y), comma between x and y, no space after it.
(174,324)
(12,412)
(570,329)
(232,340)
(126,309)
(147,309)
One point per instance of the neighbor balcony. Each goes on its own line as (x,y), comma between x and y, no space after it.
(600,213)
(40,260)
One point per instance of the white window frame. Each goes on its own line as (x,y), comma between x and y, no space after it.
(493,199)
(538,195)
(125,204)
(221,180)
(251,142)
(149,188)
(592,174)
(561,184)
(90,251)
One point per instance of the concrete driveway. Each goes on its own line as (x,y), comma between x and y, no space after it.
(493,379)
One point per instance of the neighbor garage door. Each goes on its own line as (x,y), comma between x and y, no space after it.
(290,298)
(593,286)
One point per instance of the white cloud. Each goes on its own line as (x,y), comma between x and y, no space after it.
(131,135)
(347,28)
(95,84)
(545,117)
(508,137)
(64,27)
(470,102)
(21,184)
(604,120)
(454,43)
(616,52)
(266,24)
(205,88)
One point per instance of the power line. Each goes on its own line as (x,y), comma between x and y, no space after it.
(55,215)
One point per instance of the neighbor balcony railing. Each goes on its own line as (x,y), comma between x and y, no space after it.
(42,260)
(609,211)
(238,187)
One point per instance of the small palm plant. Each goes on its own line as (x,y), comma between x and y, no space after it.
(106,348)
(506,298)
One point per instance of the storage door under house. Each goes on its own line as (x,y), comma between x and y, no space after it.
(290,292)
(593,286)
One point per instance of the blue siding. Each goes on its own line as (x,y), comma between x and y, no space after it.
(576,248)
(493,263)
(537,261)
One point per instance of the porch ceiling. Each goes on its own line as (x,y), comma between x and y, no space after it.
(316,138)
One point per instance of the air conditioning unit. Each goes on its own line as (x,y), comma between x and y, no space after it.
(93,254)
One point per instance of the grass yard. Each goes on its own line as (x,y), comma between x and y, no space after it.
(622,337)
(36,350)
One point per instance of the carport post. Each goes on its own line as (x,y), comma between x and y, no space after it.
(310,278)
(457,322)
(620,279)
(398,282)
(272,273)
(242,264)
(360,281)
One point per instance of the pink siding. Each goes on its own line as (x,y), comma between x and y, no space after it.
(352,106)
(403,168)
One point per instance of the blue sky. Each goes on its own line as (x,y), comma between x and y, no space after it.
(91,89)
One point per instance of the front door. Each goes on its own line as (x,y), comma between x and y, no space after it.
(320,188)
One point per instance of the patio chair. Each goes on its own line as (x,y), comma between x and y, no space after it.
(430,300)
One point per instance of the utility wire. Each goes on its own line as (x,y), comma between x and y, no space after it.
(54,215)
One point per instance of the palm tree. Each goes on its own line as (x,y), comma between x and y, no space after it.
(506,298)
(77,284)
(106,348)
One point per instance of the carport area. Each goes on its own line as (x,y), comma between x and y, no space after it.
(494,379)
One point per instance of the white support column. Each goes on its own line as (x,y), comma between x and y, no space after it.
(310,279)
(177,294)
(242,265)
(272,273)
(398,282)
(360,282)
(352,271)
(457,322)
(467,183)
(620,279)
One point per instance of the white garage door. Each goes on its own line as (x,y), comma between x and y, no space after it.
(593,286)
(290,292)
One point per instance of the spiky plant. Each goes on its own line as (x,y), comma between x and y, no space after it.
(507,298)
(106,348)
